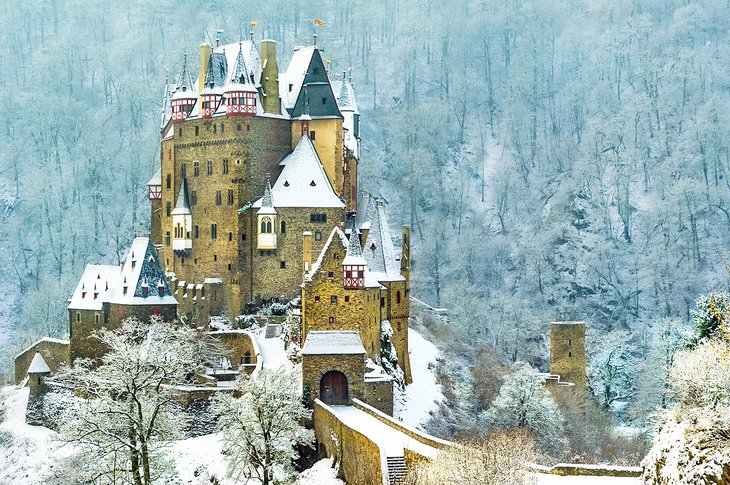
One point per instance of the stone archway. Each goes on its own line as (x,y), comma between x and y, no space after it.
(333,388)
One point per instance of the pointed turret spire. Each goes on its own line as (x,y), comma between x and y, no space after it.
(182,206)
(240,73)
(209,76)
(267,202)
(354,251)
(185,80)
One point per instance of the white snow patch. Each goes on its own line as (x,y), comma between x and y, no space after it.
(415,404)
(544,479)
(198,459)
(27,452)
(273,353)
(321,473)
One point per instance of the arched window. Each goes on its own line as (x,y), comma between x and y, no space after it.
(283,227)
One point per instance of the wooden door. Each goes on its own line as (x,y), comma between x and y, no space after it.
(333,388)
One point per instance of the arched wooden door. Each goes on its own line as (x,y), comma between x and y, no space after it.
(333,388)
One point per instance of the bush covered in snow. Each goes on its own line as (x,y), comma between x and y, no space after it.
(499,458)
(693,444)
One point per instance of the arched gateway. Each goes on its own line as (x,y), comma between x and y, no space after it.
(333,388)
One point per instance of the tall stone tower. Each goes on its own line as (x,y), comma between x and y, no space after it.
(568,352)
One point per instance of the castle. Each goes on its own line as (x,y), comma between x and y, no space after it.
(256,200)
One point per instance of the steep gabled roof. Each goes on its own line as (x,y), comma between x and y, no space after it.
(101,284)
(307,68)
(335,236)
(346,97)
(354,256)
(141,270)
(156,178)
(303,182)
(378,248)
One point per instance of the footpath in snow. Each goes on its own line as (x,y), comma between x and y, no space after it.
(388,439)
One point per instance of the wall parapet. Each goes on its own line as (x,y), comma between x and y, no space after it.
(578,469)
(365,463)
(419,436)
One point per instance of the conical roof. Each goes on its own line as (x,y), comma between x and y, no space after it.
(267,202)
(182,206)
(354,256)
(38,365)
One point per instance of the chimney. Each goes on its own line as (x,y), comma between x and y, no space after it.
(270,77)
(307,250)
(205,52)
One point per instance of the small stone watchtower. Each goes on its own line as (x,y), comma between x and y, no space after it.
(37,373)
(568,353)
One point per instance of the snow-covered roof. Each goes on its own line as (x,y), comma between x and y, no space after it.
(333,342)
(38,365)
(156,178)
(294,75)
(346,97)
(335,235)
(182,206)
(354,256)
(303,182)
(378,249)
(136,282)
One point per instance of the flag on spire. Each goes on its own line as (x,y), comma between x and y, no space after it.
(319,23)
(253,24)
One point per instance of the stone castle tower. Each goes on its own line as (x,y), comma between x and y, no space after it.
(568,353)
(228,131)
(257,168)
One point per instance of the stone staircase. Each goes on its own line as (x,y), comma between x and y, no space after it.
(396,470)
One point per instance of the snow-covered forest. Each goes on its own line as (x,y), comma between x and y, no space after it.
(556,159)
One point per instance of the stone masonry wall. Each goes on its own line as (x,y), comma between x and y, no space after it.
(359,457)
(397,311)
(55,352)
(379,394)
(84,345)
(568,354)
(238,343)
(316,366)
(270,278)
(253,148)
(355,309)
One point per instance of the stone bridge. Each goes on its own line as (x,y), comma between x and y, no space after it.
(371,447)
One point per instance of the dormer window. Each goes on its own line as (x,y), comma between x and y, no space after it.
(145,291)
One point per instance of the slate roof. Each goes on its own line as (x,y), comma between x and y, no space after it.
(303,181)
(333,342)
(354,251)
(378,249)
(141,269)
(322,101)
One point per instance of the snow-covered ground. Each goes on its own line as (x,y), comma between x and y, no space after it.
(585,480)
(414,405)
(321,473)
(26,452)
